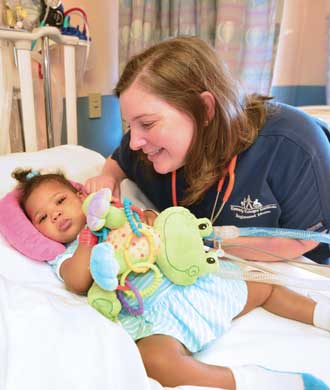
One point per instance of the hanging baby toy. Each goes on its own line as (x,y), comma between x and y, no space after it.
(173,247)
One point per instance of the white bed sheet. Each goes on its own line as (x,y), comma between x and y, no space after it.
(51,339)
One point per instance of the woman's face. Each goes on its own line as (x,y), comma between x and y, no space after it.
(162,132)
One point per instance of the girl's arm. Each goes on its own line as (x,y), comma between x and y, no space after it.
(110,177)
(75,270)
(282,247)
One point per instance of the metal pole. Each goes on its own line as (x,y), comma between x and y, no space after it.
(27,97)
(47,92)
(71,94)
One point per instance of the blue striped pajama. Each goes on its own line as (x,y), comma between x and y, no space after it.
(194,315)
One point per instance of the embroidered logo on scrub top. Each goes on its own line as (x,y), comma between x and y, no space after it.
(249,208)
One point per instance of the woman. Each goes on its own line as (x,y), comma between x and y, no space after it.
(188,123)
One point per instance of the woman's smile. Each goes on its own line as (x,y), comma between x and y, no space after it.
(152,156)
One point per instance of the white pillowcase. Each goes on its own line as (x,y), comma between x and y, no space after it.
(76,162)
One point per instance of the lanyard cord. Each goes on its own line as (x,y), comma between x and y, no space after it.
(230,172)
(174,198)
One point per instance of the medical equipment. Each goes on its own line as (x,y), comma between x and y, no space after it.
(83,34)
(230,186)
(254,272)
(230,232)
(22,14)
(52,13)
(29,14)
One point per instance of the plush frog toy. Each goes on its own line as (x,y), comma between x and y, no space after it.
(172,247)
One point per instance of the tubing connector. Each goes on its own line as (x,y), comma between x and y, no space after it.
(221,233)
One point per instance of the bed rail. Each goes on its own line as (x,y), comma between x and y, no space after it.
(22,41)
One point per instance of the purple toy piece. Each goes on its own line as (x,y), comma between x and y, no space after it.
(131,310)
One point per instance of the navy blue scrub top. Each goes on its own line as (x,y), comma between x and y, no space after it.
(282,180)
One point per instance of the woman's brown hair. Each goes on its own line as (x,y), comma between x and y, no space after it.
(178,70)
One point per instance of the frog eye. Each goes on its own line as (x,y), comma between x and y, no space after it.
(210,260)
(202,226)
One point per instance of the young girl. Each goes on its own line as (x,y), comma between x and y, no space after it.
(177,320)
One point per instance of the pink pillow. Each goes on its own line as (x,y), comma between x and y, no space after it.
(21,234)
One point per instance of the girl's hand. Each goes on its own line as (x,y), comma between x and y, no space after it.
(93,184)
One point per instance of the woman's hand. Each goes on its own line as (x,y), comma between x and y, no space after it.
(93,184)
(110,177)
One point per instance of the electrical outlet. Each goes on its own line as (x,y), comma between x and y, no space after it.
(94,105)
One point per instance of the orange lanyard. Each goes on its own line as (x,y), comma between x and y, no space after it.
(230,172)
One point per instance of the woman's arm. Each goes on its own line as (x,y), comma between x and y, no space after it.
(110,177)
(75,270)
(282,247)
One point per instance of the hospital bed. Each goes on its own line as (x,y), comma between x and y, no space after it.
(52,339)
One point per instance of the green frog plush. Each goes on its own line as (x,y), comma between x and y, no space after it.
(173,247)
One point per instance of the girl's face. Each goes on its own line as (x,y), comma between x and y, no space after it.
(162,132)
(56,211)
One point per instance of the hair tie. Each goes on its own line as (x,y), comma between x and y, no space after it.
(32,174)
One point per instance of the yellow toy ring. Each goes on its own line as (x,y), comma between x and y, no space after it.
(148,290)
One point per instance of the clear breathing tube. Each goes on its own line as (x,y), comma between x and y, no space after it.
(261,273)
(229,232)
(265,276)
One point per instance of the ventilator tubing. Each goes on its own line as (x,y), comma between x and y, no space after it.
(229,232)
(262,276)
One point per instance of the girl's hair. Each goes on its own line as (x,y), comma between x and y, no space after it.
(29,180)
(178,70)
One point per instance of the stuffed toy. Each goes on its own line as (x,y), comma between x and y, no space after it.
(173,247)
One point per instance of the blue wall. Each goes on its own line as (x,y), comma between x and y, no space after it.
(300,95)
(100,134)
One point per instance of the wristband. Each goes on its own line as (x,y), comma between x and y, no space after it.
(86,237)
